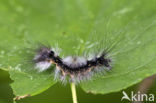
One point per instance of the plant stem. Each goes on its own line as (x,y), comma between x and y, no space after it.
(73,89)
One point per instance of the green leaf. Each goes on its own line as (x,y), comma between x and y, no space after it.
(128,26)
(134,55)
(30,84)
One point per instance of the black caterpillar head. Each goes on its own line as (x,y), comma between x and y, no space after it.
(43,54)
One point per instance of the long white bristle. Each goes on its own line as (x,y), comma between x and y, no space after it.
(74,61)
(42,66)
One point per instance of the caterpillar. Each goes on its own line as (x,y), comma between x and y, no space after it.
(72,68)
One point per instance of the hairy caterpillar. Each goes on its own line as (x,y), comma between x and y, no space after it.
(71,68)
